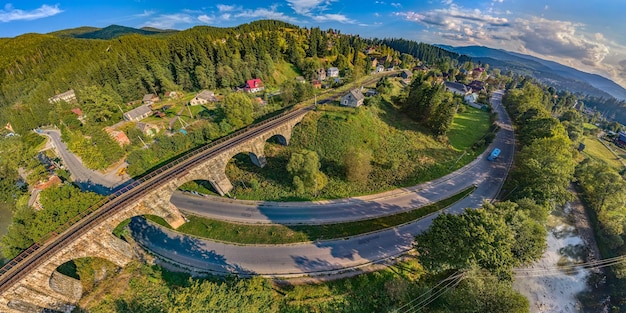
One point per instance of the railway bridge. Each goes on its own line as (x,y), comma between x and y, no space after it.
(32,282)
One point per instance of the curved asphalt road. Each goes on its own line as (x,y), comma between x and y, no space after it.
(333,256)
(86,178)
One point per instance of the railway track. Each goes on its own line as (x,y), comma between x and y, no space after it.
(20,266)
(35,255)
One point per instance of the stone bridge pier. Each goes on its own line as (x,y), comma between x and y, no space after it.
(214,170)
(44,287)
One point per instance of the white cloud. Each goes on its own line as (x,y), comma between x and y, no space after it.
(168,21)
(12,14)
(206,19)
(226,8)
(565,42)
(145,13)
(225,16)
(305,7)
(333,18)
(396,5)
(560,39)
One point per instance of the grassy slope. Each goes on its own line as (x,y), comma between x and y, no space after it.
(285,71)
(468,128)
(403,155)
(596,150)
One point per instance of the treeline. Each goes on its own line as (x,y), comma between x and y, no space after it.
(610,108)
(60,204)
(422,51)
(604,193)
(499,237)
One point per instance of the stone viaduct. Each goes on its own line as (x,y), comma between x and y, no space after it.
(44,287)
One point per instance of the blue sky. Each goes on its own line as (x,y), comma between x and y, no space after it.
(588,35)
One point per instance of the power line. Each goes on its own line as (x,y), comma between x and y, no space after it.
(455,279)
(452,277)
(441,293)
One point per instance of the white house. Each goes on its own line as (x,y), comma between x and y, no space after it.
(354,98)
(68,96)
(333,72)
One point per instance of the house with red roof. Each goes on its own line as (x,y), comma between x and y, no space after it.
(254,85)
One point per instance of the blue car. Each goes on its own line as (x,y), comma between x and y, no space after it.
(494,154)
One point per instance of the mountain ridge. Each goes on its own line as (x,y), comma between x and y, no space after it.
(109,32)
(549,72)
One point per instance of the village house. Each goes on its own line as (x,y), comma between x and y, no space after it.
(333,72)
(254,85)
(68,96)
(316,84)
(406,74)
(79,114)
(117,135)
(150,98)
(380,68)
(301,79)
(147,129)
(137,114)
(477,72)
(476,86)
(457,88)
(172,94)
(204,97)
(354,98)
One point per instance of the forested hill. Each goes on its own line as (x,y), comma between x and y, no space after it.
(34,67)
(109,32)
(428,53)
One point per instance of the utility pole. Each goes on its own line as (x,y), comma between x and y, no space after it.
(144,143)
(190,115)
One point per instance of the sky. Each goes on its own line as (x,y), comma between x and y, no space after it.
(587,35)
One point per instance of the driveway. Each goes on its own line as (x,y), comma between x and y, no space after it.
(86,178)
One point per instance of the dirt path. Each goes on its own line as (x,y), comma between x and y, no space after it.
(583,225)
(548,283)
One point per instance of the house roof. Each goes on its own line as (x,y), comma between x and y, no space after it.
(333,69)
(357,94)
(457,86)
(206,95)
(149,97)
(77,111)
(138,111)
(254,83)
(407,72)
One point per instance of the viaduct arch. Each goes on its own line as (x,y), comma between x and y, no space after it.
(44,287)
